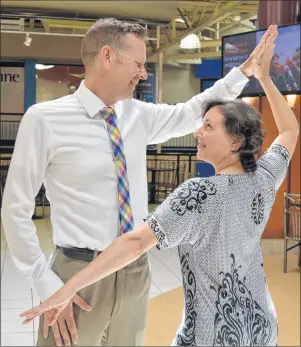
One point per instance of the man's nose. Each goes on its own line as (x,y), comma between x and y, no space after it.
(143,74)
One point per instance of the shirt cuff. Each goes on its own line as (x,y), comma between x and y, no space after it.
(158,231)
(47,285)
(235,76)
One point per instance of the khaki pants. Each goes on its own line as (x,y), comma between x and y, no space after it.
(119,303)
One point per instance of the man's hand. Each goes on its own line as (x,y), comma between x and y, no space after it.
(247,67)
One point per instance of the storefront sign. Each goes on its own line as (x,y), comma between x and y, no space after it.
(12,90)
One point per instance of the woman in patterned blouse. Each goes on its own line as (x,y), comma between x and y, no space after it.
(217,223)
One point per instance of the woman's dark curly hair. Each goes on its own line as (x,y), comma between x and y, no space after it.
(242,120)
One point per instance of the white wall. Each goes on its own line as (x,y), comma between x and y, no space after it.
(179,85)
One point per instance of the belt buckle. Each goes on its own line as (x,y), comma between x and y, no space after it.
(95,254)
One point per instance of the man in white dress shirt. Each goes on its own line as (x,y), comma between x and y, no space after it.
(64,143)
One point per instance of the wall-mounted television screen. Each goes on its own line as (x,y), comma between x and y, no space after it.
(285,66)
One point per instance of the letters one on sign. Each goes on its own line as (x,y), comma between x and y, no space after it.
(10,77)
(12,90)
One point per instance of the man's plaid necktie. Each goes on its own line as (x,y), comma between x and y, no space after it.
(125,211)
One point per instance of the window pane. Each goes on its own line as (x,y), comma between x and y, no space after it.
(56,81)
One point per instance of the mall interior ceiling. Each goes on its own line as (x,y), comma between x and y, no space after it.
(167,21)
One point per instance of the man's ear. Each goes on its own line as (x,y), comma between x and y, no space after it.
(106,55)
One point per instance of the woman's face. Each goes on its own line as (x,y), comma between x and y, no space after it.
(214,143)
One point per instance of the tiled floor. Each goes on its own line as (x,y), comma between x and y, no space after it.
(17,295)
(166,299)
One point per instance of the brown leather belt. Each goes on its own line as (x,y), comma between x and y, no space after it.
(79,253)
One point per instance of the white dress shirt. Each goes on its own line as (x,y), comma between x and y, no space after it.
(64,143)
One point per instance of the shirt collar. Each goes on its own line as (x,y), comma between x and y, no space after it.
(90,102)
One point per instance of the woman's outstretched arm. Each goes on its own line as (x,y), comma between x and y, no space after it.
(285,119)
(123,251)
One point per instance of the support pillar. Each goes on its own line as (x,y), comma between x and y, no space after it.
(277,12)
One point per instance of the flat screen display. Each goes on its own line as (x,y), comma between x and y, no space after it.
(285,66)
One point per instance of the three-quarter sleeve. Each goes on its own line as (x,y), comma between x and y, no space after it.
(274,163)
(188,213)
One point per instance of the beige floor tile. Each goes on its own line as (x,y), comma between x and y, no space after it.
(20,304)
(15,293)
(278,246)
(15,326)
(17,339)
(267,246)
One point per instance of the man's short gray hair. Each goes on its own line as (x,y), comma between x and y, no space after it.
(107,31)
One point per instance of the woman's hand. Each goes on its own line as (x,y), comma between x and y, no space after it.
(261,66)
(56,303)
(247,67)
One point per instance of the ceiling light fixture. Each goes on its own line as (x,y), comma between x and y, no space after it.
(28,40)
(191,41)
(291,100)
(43,67)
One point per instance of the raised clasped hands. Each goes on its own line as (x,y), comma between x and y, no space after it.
(261,64)
(249,67)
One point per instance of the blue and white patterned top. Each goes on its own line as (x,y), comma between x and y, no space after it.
(217,222)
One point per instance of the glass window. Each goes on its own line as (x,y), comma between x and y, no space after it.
(56,81)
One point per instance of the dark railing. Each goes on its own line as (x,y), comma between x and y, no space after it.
(4,166)
(185,159)
(9,130)
(8,134)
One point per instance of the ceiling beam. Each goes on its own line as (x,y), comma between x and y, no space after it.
(234,24)
(210,29)
(195,14)
(206,44)
(212,5)
(185,56)
(184,18)
(250,27)
(165,30)
(207,22)
(152,45)
(219,19)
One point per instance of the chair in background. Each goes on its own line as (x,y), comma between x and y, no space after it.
(151,164)
(2,185)
(4,167)
(292,230)
(182,174)
(166,179)
(42,201)
(194,175)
